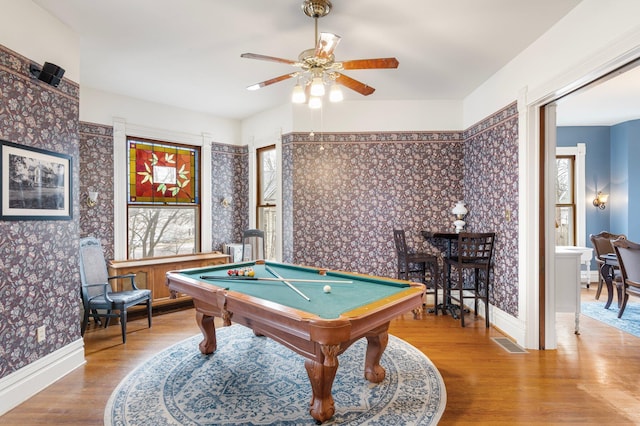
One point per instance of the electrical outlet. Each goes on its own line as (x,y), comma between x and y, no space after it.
(507,214)
(41,333)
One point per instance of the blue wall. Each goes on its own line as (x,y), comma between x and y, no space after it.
(625,178)
(612,155)
(597,170)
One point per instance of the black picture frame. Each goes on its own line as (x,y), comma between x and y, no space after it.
(36,183)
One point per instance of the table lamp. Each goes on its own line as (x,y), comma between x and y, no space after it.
(459,211)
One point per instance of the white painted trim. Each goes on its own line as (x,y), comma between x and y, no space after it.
(21,385)
(122,129)
(206,238)
(528,238)
(508,324)
(119,189)
(550,338)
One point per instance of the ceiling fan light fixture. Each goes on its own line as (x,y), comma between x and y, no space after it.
(317,87)
(315,102)
(335,93)
(254,87)
(298,96)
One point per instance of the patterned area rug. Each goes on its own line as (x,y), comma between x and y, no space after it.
(255,381)
(630,321)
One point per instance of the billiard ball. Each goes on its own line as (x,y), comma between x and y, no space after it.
(327,289)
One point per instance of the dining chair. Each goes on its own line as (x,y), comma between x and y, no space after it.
(628,254)
(474,253)
(414,264)
(98,298)
(252,241)
(602,245)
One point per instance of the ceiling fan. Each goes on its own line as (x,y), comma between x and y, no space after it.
(318,66)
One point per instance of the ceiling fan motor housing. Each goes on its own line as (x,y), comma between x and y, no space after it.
(316,8)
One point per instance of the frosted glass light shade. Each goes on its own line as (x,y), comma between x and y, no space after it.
(335,94)
(317,87)
(298,96)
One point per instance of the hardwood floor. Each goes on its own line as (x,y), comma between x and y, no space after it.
(592,378)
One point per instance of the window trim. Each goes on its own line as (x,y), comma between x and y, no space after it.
(122,129)
(579,151)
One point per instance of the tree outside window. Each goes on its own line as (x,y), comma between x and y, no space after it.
(267,195)
(565,221)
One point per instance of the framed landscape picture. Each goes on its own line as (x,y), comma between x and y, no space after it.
(36,184)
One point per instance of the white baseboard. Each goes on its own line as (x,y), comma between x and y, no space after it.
(21,385)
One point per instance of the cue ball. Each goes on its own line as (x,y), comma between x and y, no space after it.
(327,289)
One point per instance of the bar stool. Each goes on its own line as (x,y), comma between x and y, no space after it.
(475,251)
(412,263)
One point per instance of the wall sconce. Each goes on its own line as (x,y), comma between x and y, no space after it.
(92,198)
(459,211)
(601,200)
(226,202)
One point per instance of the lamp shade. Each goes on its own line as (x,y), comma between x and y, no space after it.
(317,87)
(298,96)
(335,94)
(459,209)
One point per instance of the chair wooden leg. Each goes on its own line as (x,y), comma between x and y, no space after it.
(434,284)
(486,307)
(461,300)
(600,283)
(123,321)
(149,311)
(624,305)
(85,322)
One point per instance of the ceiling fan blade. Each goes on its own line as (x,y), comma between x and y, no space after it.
(360,64)
(354,85)
(272,81)
(327,42)
(267,58)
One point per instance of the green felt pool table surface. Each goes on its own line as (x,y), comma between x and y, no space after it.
(354,291)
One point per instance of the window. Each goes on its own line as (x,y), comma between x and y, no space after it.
(163,200)
(565,201)
(266,199)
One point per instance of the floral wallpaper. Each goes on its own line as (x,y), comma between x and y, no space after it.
(491,192)
(96,170)
(230,180)
(38,258)
(345,193)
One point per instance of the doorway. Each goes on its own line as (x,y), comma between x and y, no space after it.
(548,117)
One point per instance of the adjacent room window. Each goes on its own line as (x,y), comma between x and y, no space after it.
(267,195)
(163,205)
(565,201)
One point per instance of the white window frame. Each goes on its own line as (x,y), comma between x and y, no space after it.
(579,154)
(122,129)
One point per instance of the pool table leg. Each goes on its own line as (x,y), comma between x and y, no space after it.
(205,322)
(321,377)
(377,343)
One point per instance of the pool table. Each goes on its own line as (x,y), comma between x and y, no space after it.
(316,324)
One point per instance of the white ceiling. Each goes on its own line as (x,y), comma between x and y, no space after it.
(606,103)
(187,53)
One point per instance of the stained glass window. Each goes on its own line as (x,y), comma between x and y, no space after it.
(163,212)
(162,173)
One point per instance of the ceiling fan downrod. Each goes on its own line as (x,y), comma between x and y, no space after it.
(316,9)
